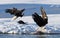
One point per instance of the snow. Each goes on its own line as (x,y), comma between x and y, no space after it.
(8,26)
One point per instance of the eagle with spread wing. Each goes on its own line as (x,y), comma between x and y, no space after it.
(16,12)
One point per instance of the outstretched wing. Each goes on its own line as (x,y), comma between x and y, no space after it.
(22,10)
(9,11)
(44,15)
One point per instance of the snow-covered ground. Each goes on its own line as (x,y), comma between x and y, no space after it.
(9,26)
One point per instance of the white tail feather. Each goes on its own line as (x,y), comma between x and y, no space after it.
(42,29)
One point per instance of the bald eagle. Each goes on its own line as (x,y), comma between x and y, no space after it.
(16,12)
(41,21)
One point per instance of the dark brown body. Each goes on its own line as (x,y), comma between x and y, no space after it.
(40,20)
(14,11)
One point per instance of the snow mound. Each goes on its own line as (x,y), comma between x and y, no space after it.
(8,26)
